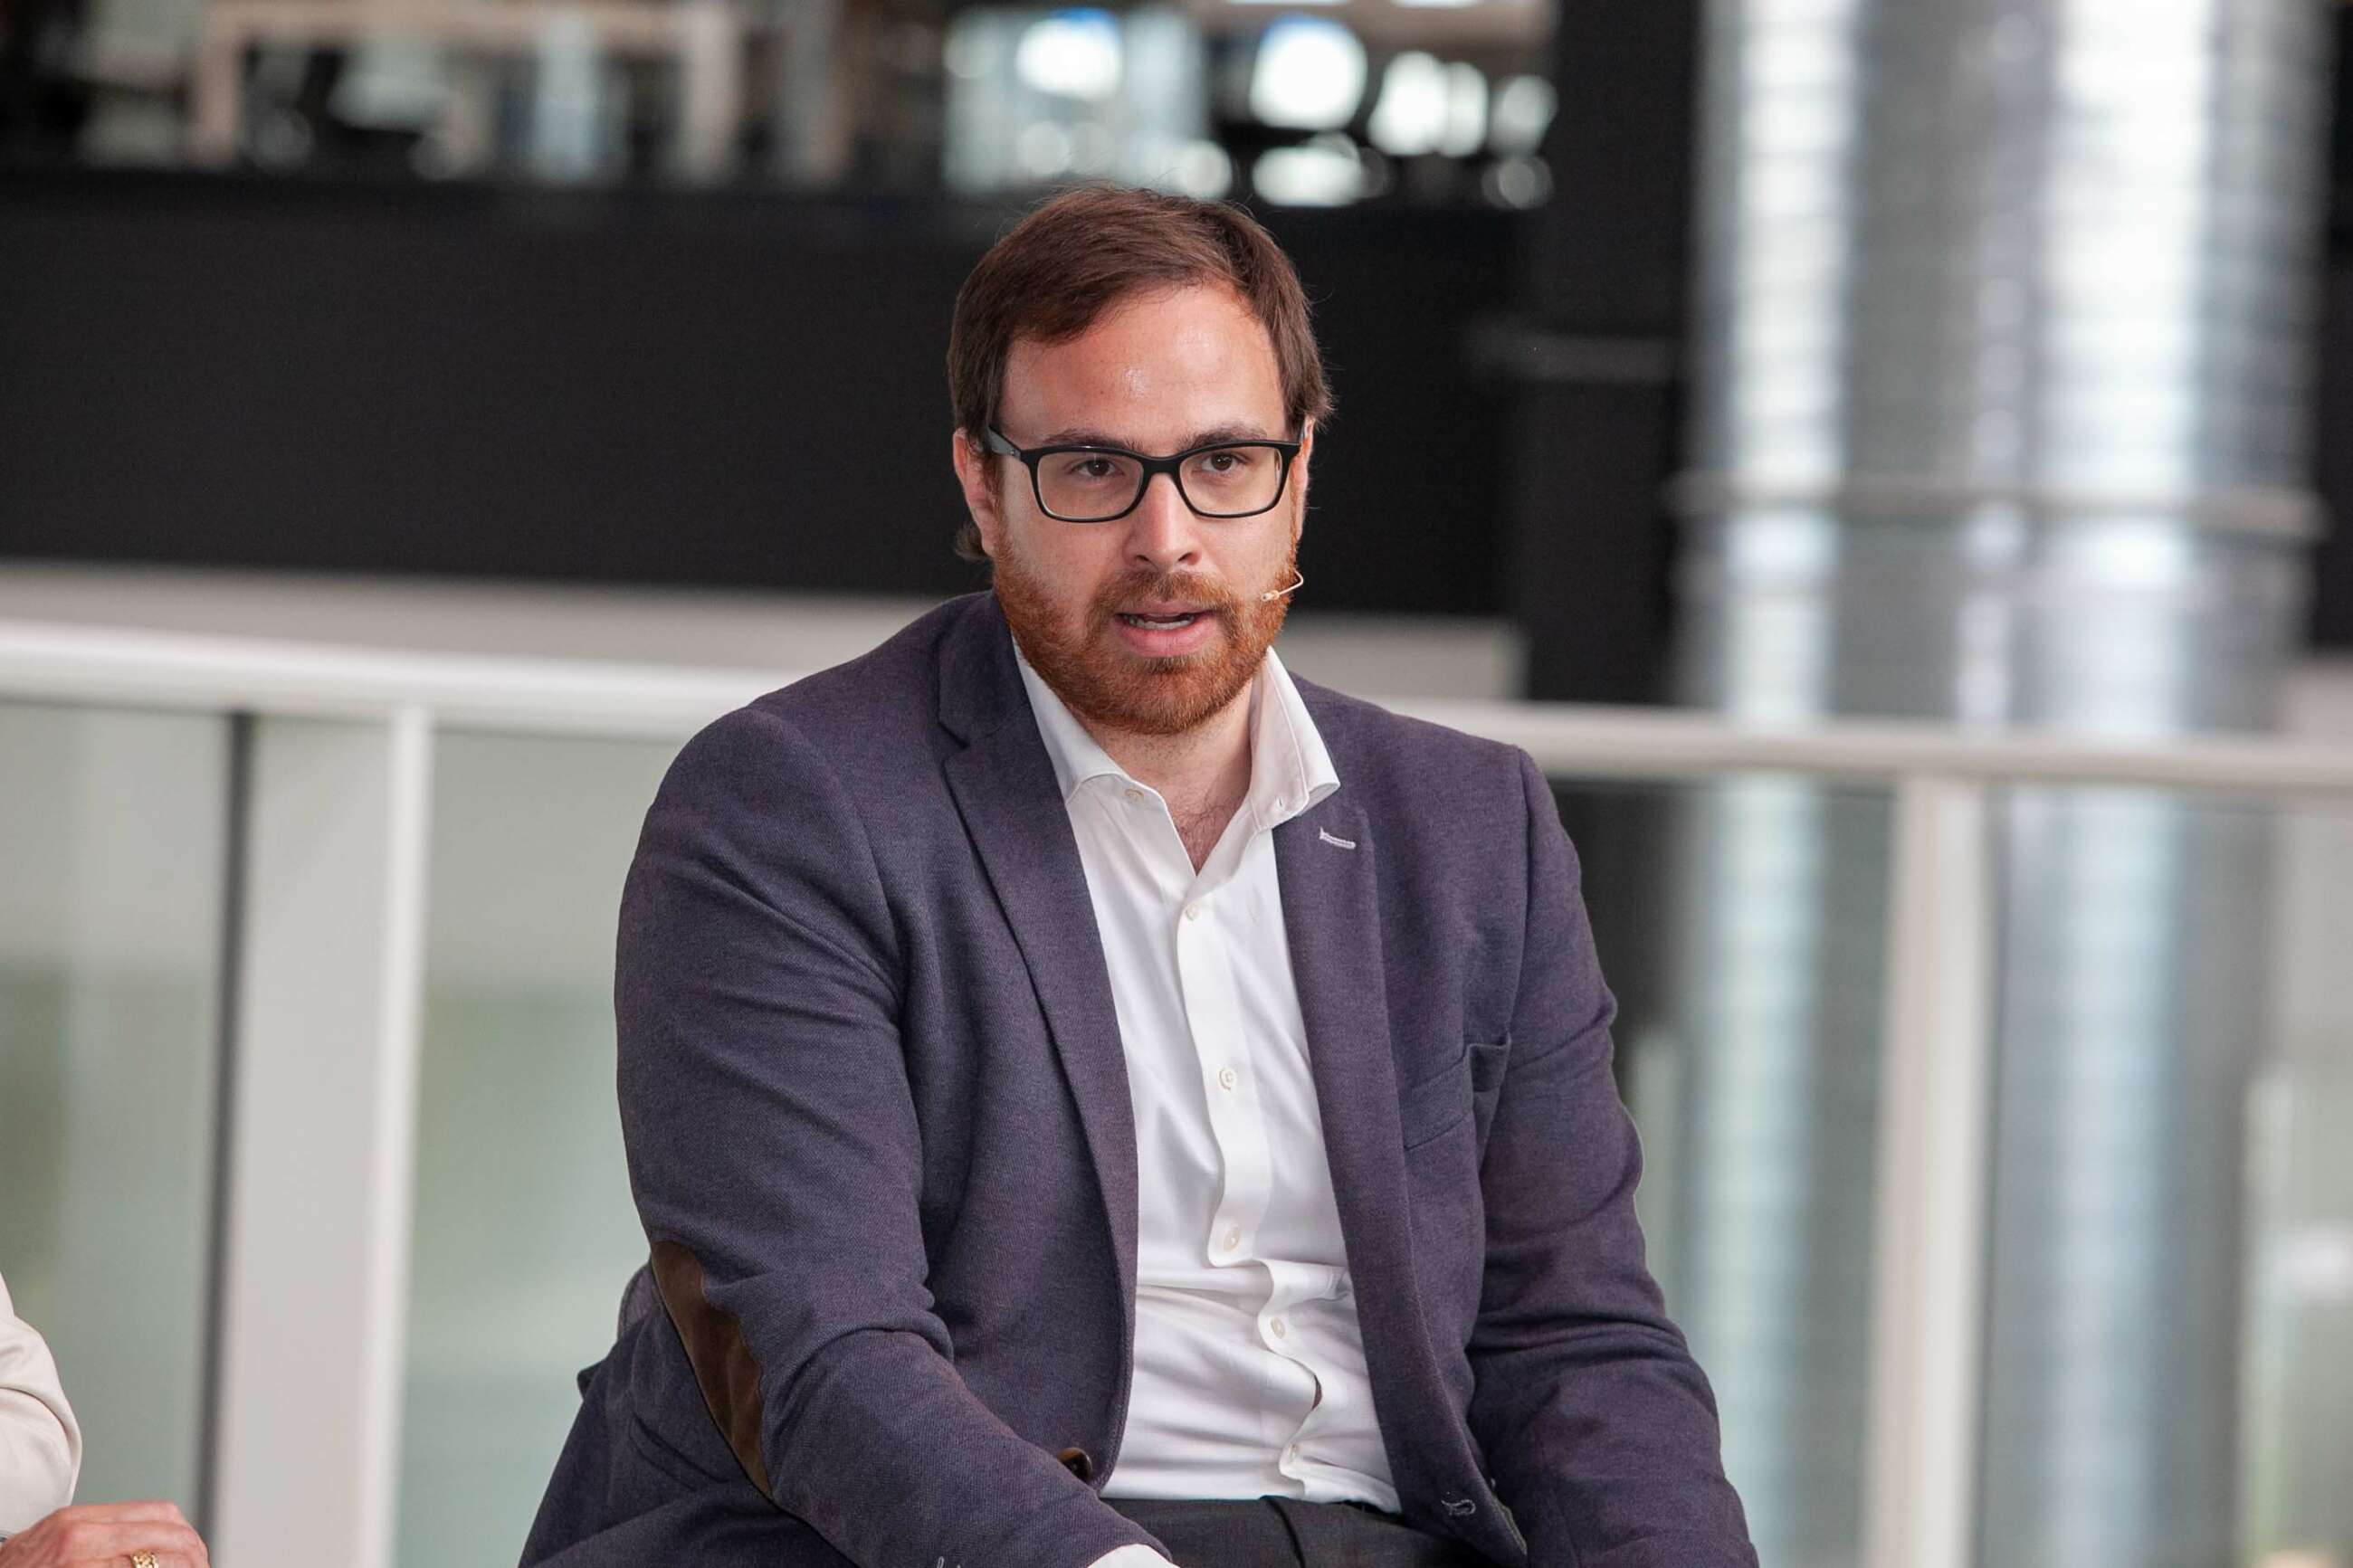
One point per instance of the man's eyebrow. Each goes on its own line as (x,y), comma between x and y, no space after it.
(1080,436)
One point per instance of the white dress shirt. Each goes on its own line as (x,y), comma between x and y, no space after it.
(40,1446)
(1250,1373)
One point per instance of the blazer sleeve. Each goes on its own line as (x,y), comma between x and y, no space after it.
(1600,1429)
(775,1160)
(40,1446)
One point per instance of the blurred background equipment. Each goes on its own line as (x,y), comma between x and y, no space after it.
(901,95)
(531,376)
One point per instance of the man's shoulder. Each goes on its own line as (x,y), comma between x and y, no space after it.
(894,683)
(1414,761)
(884,703)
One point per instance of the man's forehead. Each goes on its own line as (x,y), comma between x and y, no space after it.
(1196,357)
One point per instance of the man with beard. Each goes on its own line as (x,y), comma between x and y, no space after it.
(1096,1101)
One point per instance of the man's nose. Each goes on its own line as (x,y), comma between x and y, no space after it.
(1163,531)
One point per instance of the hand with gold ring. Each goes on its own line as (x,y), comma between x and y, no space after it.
(108,1535)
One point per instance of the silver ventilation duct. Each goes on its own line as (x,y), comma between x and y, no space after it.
(1999,416)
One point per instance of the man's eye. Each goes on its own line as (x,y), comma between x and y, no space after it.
(1091,468)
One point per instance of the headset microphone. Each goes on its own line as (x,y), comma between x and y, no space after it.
(1297,580)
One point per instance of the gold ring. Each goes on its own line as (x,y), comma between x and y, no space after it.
(143,1560)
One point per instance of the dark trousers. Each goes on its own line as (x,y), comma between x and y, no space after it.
(1281,1533)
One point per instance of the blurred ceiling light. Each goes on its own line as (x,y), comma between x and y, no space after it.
(1092,149)
(974,45)
(1517,181)
(1309,75)
(1203,170)
(1044,150)
(1523,113)
(1466,111)
(1411,116)
(1070,54)
(1325,172)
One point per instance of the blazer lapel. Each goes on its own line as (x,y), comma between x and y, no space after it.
(1331,913)
(1004,787)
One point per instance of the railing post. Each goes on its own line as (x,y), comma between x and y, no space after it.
(1934,1150)
(322,1129)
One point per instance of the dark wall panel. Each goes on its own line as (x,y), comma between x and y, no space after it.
(1609,259)
(2332,599)
(632,386)
(1599,410)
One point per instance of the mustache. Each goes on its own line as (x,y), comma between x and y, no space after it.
(1159,588)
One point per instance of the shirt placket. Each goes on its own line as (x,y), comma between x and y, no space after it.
(1281,1333)
(1228,1077)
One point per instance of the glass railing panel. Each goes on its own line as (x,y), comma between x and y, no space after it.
(1743,926)
(2296,1365)
(2172,1218)
(113,846)
(2171,1287)
(523,1230)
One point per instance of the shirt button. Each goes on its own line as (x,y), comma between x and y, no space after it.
(1232,1239)
(1193,911)
(1137,795)
(1227,1079)
(1292,1452)
(1275,1326)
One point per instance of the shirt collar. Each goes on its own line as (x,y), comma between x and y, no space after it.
(1290,768)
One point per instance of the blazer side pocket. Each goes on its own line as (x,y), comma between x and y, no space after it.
(1431,1108)
(1487,1065)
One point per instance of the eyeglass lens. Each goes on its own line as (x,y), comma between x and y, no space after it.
(1221,481)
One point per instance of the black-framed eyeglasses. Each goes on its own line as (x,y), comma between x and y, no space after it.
(1103,484)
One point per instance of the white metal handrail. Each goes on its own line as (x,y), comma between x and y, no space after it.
(52,662)
(337,805)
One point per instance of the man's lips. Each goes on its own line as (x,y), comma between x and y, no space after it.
(1161,633)
(1164,620)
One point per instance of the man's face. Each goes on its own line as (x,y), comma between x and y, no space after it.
(1154,622)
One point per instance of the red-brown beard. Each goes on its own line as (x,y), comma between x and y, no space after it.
(1099,680)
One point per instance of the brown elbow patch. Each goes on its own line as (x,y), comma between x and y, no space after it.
(723,1367)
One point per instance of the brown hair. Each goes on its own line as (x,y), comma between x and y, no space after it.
(1081,253)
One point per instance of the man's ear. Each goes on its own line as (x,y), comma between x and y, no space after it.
(972,468)
(1299,481)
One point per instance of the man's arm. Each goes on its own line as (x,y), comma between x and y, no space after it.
(40,1446)
(1598,1427)
(776,1158)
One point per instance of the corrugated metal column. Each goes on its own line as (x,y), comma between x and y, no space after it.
(1999,410)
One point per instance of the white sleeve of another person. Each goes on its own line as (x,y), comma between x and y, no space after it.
(40,1445)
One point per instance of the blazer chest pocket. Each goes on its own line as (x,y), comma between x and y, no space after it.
(1431,1106)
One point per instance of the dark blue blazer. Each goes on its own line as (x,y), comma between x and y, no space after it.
(880,1136)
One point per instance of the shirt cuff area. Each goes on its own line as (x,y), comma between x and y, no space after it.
(1131,1557)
